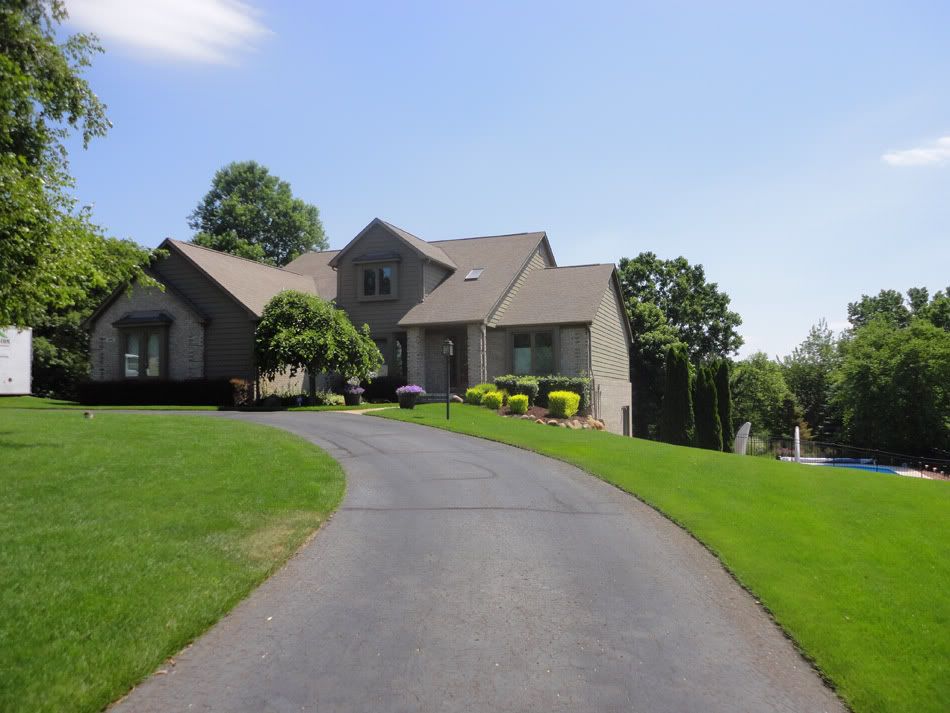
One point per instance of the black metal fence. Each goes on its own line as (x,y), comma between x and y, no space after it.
(837,455)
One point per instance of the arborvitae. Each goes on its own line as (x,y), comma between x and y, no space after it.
(708,430)
(676,416)
(724,396)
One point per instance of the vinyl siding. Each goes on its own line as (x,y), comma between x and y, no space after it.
(610,352)
(537,261)
(381,315)
(229,335)
(433,276)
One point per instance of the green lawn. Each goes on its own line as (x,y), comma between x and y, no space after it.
(34,402)
(123,537)
(854,565)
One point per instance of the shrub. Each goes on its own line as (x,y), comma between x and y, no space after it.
(473,396)
(192,392)
(518,403)
(485,387)
(493,400)
(580,385)
(563,404)
(382,388)
(327,398)
(513,384)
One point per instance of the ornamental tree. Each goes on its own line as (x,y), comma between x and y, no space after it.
(724,400)
(676,415)
(300,331)
(706,408)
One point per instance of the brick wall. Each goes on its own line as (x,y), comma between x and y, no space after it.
(185,335)
(614,395)
(477,366)
(416,355)
(573,347)
(496,353)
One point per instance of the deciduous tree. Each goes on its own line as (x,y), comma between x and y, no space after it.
(253,214)
(670,302)
(49,250)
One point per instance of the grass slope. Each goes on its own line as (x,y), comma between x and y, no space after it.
(124,537)
(854,565)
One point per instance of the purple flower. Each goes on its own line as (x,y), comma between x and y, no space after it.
(356,390)
(410,389)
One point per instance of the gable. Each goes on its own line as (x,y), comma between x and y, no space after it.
(365,245)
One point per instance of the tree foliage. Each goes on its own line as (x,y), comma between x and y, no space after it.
(761,396)
(809,372)
(724,403)
(706,410)
(670,302)
(891,306)
(50,252)
(893,386)
(300,331)
(676,417)
(250,213)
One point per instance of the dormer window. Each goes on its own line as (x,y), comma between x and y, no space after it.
(377,281)
(474,274)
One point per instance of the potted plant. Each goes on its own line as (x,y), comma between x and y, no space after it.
(409,395)
(353,395)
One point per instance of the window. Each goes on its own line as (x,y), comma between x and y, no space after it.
(474,274)
(143,352)
(378,281)
(533,353)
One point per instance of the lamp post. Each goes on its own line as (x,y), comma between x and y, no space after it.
(448,349)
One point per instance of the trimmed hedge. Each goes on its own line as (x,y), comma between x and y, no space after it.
(518,404)
(537,388)
(493,400)
(513,384)
(192,392)
(563,404)
(580,385)
(382,388)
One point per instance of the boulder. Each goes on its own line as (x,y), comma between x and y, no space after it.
(456,399)
(562,425)
(585,426)
(539,420)
(552,422)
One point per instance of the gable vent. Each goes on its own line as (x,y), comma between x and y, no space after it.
(474,274)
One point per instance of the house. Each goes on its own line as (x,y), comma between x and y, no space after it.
(502,300)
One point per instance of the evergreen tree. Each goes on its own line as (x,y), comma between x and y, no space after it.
(676,417)
(708,430)
(724,399)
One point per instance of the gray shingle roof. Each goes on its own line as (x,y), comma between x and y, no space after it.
(250,283)
(429,250)
(317,265)
(460,300)
(559,295)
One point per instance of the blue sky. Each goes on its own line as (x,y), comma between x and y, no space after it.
(801,154)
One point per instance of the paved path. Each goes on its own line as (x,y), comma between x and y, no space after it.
(461,575)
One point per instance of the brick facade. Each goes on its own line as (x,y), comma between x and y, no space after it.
(574,354)
(185,335)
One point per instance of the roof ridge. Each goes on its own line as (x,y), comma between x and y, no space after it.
(488,237)
(586,264)
(236,257)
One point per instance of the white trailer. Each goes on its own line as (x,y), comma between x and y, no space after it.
(16,357)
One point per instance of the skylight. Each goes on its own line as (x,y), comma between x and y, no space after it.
(474,274)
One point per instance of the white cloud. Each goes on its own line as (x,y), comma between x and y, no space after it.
(211,31)
(932,154)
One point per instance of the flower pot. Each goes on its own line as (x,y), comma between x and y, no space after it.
(408,400)
(352,399)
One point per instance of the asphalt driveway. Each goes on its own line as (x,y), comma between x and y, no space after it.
(463,575)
